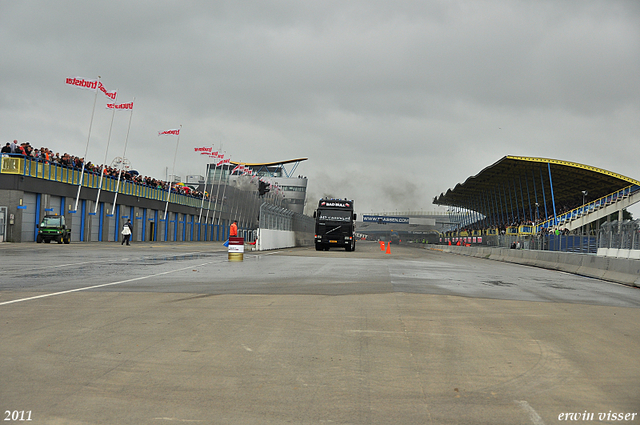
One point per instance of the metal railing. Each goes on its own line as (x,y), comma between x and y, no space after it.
(277,218)
(37,169)
(590,207)
(625,235)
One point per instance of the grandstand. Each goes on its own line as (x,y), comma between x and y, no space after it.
(522,196)
(30,189)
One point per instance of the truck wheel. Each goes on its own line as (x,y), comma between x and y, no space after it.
(59,239)
(39,239)
(347,248)
(67,239)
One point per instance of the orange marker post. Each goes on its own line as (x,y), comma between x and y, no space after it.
(388,247)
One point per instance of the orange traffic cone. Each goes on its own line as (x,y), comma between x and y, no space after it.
(388,247)
(381,246)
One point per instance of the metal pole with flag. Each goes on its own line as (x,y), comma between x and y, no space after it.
(91,85)
(218,164)
(174,132)
(224,191)
(211,155)
(106,151)
(213,181)
(122,107)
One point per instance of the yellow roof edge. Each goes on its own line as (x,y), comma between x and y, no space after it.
(575,165)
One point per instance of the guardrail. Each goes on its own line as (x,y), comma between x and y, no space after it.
(618,270)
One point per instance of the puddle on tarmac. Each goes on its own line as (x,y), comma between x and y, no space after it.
(182,257)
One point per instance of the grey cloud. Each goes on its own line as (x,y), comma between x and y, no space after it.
(439,89)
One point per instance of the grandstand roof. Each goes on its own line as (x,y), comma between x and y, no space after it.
(525,181)
(269,164)
(272,168)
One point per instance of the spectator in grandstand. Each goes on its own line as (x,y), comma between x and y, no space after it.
(44,154)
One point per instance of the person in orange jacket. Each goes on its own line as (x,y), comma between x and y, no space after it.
(233,230)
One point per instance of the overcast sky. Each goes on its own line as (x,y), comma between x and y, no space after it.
(393,102)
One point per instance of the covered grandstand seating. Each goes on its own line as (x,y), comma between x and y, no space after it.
(542,192)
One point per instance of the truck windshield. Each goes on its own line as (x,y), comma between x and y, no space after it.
(334,215)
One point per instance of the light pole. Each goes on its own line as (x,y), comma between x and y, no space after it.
(584,195)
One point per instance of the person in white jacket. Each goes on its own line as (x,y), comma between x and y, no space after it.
(126,232)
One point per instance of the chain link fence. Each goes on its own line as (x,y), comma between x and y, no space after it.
(613,234)
(624,235)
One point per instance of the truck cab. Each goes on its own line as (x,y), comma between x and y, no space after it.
(335,224)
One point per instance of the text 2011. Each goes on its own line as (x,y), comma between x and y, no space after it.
(17,415)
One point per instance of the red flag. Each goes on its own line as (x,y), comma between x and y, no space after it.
(174,132)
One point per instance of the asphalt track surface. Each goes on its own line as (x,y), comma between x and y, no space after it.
(176,334)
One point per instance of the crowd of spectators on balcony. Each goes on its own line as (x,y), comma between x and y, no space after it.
(47,156)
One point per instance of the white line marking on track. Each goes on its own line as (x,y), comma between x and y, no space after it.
(533,415)
(101,285)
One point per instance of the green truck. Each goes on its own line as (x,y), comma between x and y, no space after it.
(53,228)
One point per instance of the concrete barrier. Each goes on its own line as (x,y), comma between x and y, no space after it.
(601,266)
(275,239)
(594,266)
(619,253)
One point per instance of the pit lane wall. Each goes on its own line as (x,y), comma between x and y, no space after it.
(619,270)
(269,239)
(283,228)
(274,239)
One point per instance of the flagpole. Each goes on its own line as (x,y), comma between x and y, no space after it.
(213,181)
(113,114)
(86,149)
(124,153)
(166,207)
(205,191)
(238,202)
(213,218)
